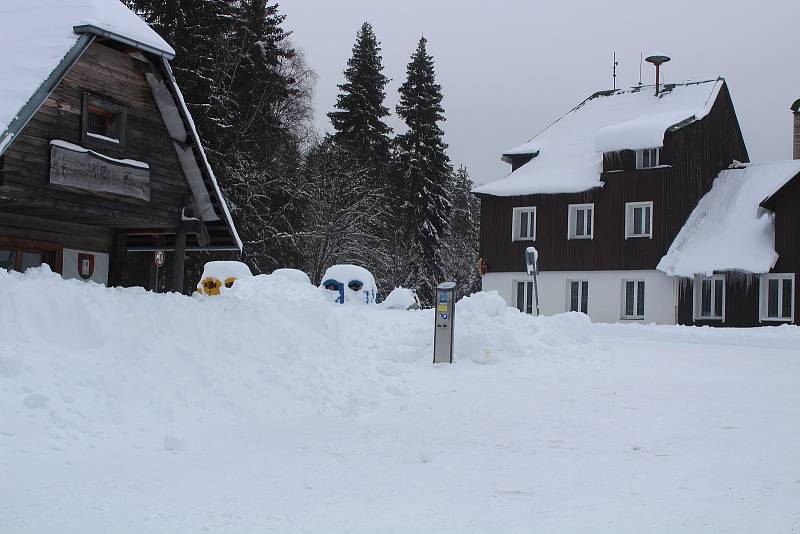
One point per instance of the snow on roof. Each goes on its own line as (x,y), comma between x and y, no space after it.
(569,152)
(728,230)
(37,34)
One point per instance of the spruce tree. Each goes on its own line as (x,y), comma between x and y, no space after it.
(422,171)
(359,120)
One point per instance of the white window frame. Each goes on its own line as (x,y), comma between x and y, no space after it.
(764,297)
(572,221)
(697,303)
(580,283)
(653,158)
(630,208)
(516,223)
(528,296)
(636,316)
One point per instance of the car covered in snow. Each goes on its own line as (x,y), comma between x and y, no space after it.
(221,275)
(349,283)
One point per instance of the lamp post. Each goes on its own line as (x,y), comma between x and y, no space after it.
(532,266)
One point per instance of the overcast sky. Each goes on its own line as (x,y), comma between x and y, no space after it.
(510,67)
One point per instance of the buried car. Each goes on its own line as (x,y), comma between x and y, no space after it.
(221,274)
(349,283)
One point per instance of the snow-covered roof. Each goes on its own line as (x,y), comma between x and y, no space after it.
(568,154)
(37,34)
(728,229)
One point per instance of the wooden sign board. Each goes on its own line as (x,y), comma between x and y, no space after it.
(91,172)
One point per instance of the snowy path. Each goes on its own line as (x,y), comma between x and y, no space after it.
(595,428)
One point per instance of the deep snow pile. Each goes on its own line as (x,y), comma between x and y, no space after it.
(270,409)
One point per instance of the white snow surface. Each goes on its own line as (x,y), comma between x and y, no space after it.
(37,34)
(401,298)
(269,409)
(295,275)
(728,229)
(569,152)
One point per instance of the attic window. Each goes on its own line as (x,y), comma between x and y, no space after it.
(103,122)
(648,158)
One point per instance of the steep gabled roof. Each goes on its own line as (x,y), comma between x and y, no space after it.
(41,39)
(36,35)
(568,153)
(729,229)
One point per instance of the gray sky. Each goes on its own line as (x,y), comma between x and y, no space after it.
(510,67)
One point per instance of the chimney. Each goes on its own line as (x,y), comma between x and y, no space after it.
(657,60)
(796,139)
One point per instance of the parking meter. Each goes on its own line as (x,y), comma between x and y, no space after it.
(443,330)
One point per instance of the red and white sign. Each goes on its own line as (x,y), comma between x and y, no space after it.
(158,258)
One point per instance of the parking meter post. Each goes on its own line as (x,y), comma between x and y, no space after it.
(445,307)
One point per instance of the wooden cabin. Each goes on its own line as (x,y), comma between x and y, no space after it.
(99,157)
(628,199)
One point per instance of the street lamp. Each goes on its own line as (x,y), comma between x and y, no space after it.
(532,265)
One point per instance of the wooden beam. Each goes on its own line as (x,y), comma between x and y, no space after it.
(180,261)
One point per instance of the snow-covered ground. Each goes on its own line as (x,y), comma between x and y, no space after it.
(269,409)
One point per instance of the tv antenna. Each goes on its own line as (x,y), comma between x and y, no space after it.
(614,70)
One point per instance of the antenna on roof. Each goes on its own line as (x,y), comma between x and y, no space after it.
(641,57)
(657,60)
(614,70)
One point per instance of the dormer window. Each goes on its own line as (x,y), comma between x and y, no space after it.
(647,158)
(104,122)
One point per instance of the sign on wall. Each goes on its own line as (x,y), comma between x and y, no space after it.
(79,168)
(85,265)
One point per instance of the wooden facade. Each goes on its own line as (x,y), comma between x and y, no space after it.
(64,186)
(694,154)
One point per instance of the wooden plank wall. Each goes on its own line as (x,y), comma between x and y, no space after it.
(696,154)
(115,76)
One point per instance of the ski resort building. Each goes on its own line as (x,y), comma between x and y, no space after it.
(643,207)
(99,157)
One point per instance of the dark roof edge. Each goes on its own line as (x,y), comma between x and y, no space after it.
(45,89)
(769,202)
(796,106)
(95,30)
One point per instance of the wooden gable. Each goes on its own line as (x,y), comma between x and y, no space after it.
(117,78)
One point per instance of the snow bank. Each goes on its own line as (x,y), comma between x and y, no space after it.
(728,230)
(350,277)
(569,152)
(269,409)
(401,298)
(37,34)
(295,275)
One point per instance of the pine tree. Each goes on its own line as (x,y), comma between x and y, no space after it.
(359,120)
(422,170)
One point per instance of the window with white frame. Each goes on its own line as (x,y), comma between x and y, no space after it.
(581,221)
(523,296)
(647,158)
(777,297)
(709,297)
(578,295)
(524,224)
(638,219)
(633,299)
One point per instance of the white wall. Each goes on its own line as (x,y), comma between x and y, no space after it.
(605,293)
(69,267)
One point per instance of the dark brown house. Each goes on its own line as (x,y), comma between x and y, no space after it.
(629,200)
(99,157)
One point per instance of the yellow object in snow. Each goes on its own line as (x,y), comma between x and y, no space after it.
(211,286)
